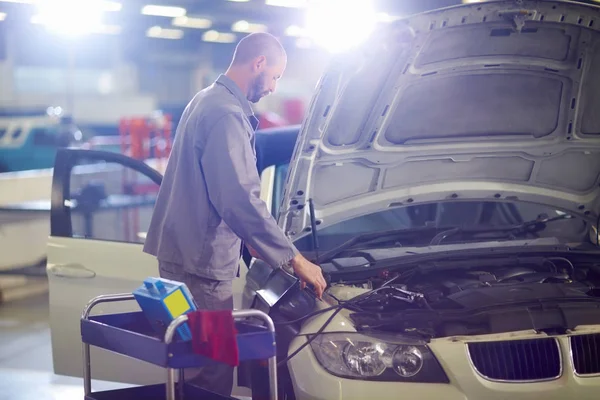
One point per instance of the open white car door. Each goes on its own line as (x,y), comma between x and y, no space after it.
(101,208)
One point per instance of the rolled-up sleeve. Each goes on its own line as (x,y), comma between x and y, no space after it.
(233,185)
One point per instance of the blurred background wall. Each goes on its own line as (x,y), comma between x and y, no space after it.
(100,61)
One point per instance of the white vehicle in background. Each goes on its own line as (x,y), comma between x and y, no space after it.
(447,180)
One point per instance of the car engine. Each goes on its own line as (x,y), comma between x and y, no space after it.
(453,298)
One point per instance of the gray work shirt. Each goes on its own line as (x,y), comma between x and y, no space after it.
(208,202)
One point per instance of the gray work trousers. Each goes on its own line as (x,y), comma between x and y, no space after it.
(209,295)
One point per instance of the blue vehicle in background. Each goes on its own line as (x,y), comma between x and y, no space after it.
(31,142)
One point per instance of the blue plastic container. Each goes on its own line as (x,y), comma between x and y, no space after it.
(163,300)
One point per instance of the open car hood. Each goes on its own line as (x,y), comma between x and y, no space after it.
(494,100)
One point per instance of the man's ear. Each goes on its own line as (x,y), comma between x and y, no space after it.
(259,63)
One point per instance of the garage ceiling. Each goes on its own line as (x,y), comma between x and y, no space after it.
(168,18)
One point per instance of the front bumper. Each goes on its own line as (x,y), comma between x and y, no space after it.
(312,382)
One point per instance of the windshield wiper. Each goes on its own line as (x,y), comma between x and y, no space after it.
(512,231)
(444,232)
(380,238)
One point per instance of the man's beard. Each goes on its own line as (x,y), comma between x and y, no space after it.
(257,91)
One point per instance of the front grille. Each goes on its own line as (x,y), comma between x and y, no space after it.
(517,360)
(585,350)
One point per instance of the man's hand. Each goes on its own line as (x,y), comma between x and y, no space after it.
(309,273)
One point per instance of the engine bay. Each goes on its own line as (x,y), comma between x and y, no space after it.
(477,296)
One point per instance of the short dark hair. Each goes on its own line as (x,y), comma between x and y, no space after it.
(258,44)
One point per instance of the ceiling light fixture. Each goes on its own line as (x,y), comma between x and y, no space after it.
(191,22)
(349,30)
(111,6)
(218,37)
(108,30)
(247,27)
(163,11)
(385,17)
(304,43)
(73,17)
(102,5)
(158,32)
(287,3)
(295,30)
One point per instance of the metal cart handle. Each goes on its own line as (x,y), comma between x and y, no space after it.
(237,314)
(87,370)
(169,334)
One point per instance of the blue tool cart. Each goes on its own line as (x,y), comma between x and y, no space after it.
(130,334)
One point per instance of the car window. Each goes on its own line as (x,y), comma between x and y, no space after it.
(442,214)
(449,213)
(110,201)
(16,133)
(45,136)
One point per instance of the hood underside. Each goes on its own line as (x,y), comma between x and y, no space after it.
(490,101)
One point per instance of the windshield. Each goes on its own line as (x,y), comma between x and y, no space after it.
(429,219)
(445,214)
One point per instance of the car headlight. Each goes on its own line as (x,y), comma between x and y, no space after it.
(356,356)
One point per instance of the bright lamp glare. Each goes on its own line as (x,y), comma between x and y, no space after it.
(71,17)
(338,25)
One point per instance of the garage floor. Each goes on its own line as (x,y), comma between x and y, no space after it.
(26,355)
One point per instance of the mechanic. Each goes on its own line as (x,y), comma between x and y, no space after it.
(208,206)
